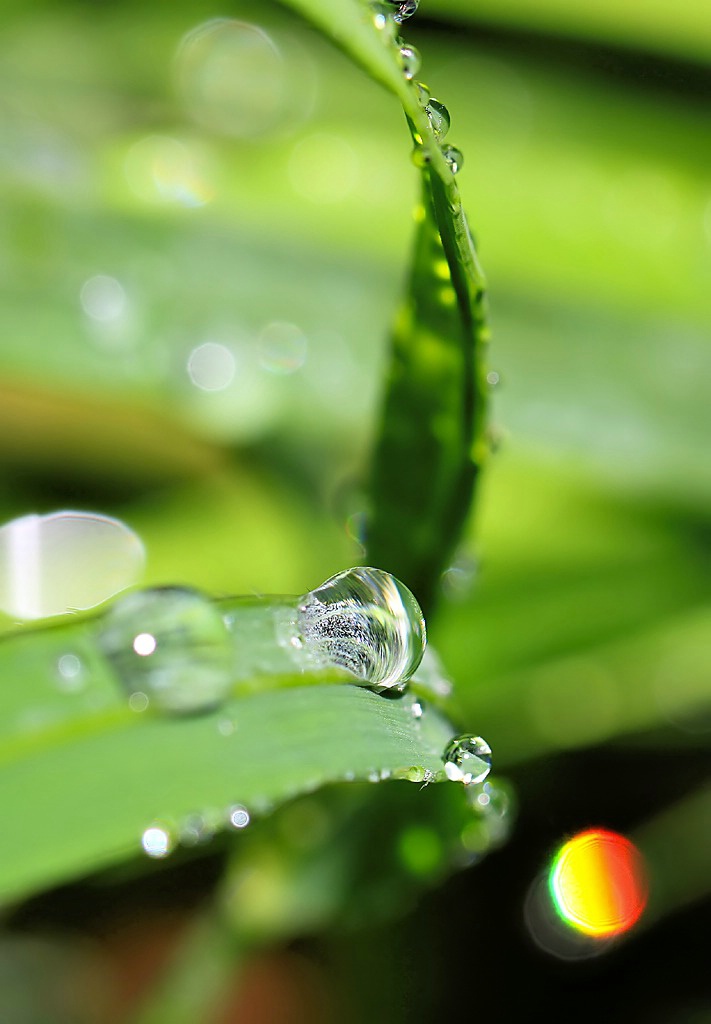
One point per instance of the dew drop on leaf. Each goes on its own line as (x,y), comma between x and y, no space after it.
(171,644)
(467,759)
(367,622)
(439,118)
(410,60)
(454,157)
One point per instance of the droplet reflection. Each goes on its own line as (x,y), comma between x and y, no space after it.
(467,759)
(367,622)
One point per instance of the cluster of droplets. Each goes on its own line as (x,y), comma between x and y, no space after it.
(175,652)
(161,838)
(387,18)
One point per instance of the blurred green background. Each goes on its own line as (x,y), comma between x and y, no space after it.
(203,239)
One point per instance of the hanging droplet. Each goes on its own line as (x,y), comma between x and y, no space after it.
(404,9)
(439,118)
(172,645)
(423,94)
(467,759)
(410,60)
(367,622)
(454,157)
(494,802)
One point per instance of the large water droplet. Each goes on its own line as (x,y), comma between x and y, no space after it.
(367,622)
(171,644)
(439,118)
(454,157)
(467,759)
(410,60)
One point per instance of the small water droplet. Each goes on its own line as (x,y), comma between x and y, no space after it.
(454,157)
(367,622)
(410,60)
(157,841)
(70,673)
(467,759)
(374,776)
(171,645)
(239,816)
(423,93)
(417,710)
(493,378)
(404,9)
(439,118)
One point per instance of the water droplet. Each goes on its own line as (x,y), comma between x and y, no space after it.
(439,118)
(404,9)
(239,816)
(454,157)
(157,841)
(410,60)
(367,622)
(467,759)
(493,378)
(373,776)
(171,645)
(59,562)
(423,93)
(417,709)
(71,673)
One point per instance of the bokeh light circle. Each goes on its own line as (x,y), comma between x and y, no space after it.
(597,883)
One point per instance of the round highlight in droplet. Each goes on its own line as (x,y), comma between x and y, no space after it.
(597,883)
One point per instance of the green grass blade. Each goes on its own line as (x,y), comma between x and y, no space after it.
(432,440)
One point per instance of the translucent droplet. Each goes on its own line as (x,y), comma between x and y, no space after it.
(410,60)
(55,563)
(404,9)
(157,841)
(423,93)
(439,118)
(367,622)
(493,378)
(417,710)
(172,645)
(383,18)
(494,802)
(239,816)
(454,157)
(467,759)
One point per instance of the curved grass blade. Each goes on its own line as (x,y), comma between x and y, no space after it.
(432,440)
(82,776)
